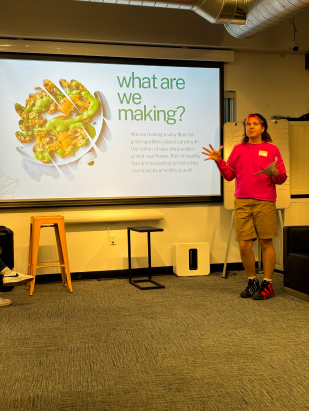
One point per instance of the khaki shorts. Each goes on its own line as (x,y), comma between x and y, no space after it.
(255,219)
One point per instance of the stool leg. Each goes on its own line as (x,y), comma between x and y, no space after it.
(29,255)
(60,255)
(36,228)
(64,251)
(129,255)
(149,255)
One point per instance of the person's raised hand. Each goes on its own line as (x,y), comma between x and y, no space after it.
(212,153)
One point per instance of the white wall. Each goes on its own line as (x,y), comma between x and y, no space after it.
(269,84)
(299,146)
(265,83)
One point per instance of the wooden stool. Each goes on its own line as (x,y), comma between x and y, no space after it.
(57,222)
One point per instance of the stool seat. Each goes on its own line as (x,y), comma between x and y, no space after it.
(57,222)
(145,229)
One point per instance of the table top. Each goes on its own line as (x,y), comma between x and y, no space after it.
(145,229)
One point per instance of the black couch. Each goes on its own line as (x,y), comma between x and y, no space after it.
(296,261)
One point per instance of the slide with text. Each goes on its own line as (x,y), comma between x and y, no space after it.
(101,130)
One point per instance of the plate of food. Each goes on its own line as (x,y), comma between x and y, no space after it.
(59,124)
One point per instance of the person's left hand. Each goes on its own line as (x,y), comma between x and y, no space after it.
(274,173)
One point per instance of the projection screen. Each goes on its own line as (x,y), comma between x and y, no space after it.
(82,130)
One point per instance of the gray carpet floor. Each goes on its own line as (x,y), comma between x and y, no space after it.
(195,345)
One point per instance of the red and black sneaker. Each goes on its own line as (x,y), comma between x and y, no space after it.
(266,291)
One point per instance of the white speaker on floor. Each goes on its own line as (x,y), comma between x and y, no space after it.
(191,259)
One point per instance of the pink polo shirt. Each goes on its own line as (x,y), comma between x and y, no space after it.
(247,159)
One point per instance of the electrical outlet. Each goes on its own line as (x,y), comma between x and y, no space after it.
(112,239)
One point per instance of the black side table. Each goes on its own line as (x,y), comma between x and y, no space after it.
(148,230)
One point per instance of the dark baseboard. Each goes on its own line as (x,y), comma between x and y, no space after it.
(218,268)
(136,272)
(106,275)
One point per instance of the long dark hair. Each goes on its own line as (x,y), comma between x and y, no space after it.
(265,134)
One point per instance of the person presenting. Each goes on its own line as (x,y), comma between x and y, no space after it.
(11,278)
(258,167)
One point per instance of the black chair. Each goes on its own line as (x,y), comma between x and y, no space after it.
(296,261)
(6,253)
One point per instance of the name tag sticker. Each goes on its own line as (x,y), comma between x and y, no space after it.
(263,153)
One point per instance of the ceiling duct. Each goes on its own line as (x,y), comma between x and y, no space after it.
(215,11)
(262,14)
(242,18)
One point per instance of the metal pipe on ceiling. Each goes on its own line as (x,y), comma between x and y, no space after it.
(241,18)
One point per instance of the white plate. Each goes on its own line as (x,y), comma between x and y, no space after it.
(26,149)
